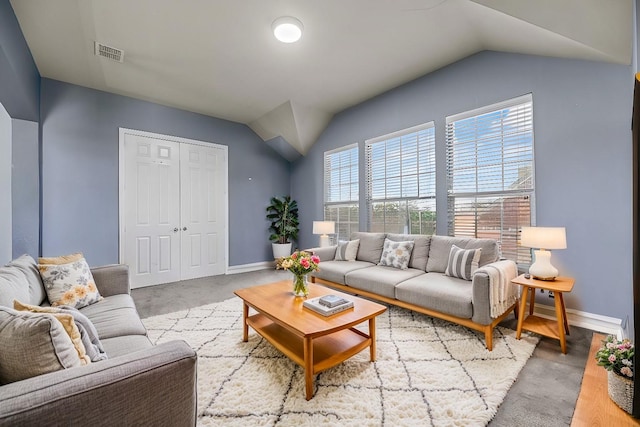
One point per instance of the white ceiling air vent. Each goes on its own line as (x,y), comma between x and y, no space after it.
(109,52)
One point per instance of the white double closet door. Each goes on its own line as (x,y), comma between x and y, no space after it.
(173,208)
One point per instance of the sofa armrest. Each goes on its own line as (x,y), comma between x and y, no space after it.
(480,297)
(112,279)
(155,386)
(326,253)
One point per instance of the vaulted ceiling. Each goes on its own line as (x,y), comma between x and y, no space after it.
(219,57)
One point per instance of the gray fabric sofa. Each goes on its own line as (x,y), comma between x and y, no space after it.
(423,287)
(139,383)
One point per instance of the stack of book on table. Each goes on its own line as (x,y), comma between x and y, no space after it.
(328,304)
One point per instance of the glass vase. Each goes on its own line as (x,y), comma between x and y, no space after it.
(300,285)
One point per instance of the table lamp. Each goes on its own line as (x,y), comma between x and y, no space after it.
(542,239)
(324,228)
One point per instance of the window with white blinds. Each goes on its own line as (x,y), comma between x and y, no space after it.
(490,174)
(341,190)
(401,181)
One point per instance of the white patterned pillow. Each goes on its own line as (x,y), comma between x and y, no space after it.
(396,254)
(347,251)
(462,262)
(68,281)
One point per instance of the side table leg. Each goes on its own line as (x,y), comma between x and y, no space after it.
(245,327)
(523,304)
(532,303)
(560,318)
(564,313)
(372,335)
(308,367)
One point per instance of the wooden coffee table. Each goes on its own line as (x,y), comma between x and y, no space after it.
(311,340)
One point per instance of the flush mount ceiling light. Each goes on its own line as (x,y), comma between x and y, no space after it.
(287,29)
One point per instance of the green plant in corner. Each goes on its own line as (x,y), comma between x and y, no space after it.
(283,215)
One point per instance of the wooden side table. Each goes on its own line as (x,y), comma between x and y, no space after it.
(536,324)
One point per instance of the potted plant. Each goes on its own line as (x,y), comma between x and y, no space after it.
(283,215)
(617,358)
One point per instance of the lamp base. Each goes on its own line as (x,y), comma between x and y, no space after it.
(542,269)
(324,241)
(546,279)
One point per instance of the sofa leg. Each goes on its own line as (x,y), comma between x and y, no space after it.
(515,309)
(488,337)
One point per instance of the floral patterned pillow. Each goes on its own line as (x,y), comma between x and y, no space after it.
(396,254)
(68,281)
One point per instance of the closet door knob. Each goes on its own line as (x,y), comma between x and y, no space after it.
(175,230)
(184,228)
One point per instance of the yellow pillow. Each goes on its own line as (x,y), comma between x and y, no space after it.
(67,322)
(59,260)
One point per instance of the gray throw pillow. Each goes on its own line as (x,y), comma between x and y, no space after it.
(87,333)
(396,254)
(13,285)
(33,344)
(347,251)
(462,262)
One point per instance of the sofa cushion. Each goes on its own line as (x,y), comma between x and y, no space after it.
(380,280)
(370,248)
(347,251)
(439,293)
(13,286)
(441,246)
(28,266)
(119,346)
(115,316)
(33,344)
(396,254)
(67,321)
(420,252)
(462,262)
(88,335)
(68,281)
(334,271)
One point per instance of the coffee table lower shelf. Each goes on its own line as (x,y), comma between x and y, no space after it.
(327,351)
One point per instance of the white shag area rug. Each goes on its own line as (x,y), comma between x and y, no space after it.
(428,372)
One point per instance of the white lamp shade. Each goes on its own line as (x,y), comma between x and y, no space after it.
(544,237)
(324,227)
(287,29)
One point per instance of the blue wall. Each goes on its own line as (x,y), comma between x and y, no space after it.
(5,187)
(25,184)
(20,97)
(582,117)
(19,77)
(80,171)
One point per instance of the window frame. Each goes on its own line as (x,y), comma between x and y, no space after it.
(341,204)
(427,199)
(509,237)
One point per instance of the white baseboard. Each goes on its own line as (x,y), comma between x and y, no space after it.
(245,268)
(594,322)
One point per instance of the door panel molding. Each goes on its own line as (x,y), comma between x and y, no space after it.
(214,167)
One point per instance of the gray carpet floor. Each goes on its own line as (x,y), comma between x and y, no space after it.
(544,394)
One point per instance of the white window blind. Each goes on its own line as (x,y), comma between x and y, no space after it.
(490,174)
(401,182)
(341,190)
